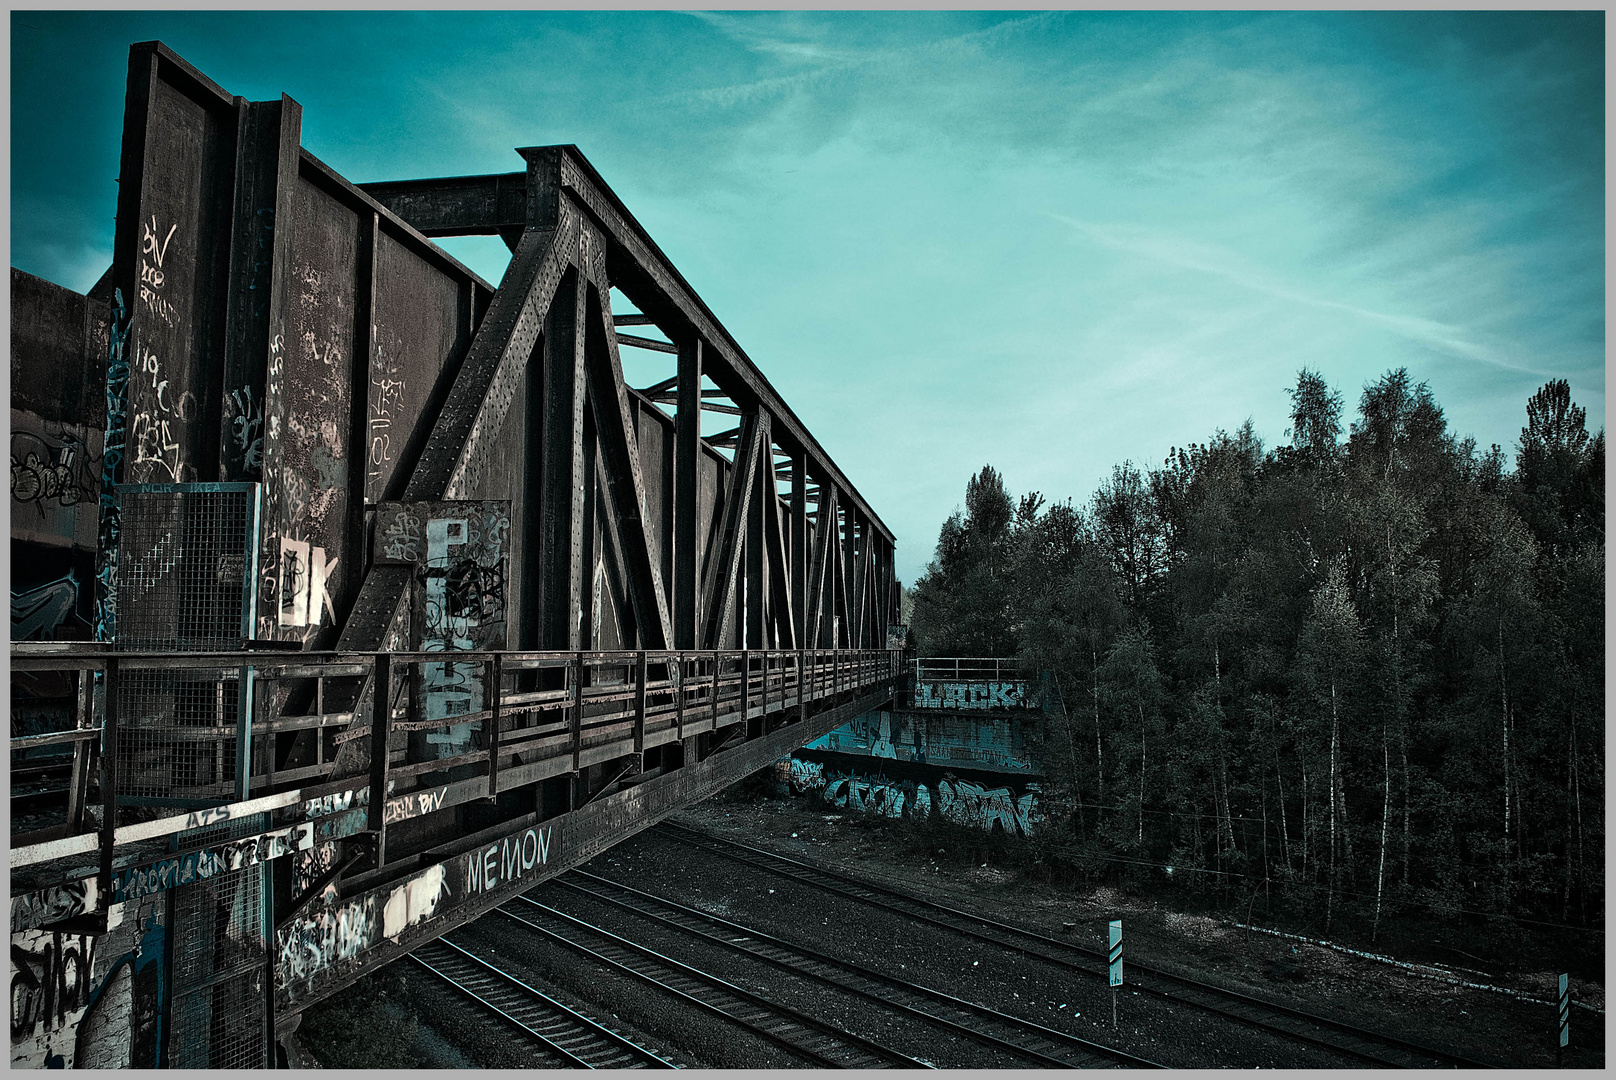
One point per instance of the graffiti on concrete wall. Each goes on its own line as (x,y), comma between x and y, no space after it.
(964,802)
(108,521)
(887,798)
(806,775)
(42,611)
(244,426)
(52,465)
(969,803)
(88,1000)
(50,990)
(977,741)
(971,695)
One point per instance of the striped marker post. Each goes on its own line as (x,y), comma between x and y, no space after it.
(1116,966)
(1565,1017)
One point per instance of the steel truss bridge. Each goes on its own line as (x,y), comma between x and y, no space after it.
(405,599)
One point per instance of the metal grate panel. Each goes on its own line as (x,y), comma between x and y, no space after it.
(177,737)
(185,577)
(183,564)
(218,969)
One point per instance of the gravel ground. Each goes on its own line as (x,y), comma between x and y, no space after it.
(438,1029)
(1366,992)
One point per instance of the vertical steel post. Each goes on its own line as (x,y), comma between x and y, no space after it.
(755,566)
(577,715)
(799,549)
(79,780)
(746,682)
(381,723)
(1115,971)
(109,779)
(639,706)
(686,491)
(244,735)
(495,675)
(679,698)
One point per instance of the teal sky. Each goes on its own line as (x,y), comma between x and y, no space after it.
(1045,241)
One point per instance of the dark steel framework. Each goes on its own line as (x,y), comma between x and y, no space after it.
(663,611)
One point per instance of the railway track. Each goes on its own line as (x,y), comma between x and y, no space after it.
(1024,1042)
(565,1036)
(1335,1036)
(35,785)
(820,1043)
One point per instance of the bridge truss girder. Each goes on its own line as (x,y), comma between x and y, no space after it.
(276,327)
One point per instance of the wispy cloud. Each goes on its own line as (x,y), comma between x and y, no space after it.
(1225,265)
(761,34)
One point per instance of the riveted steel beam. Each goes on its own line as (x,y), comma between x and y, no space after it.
(625,485)
(457,205)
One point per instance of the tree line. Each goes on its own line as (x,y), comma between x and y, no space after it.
(1365,668)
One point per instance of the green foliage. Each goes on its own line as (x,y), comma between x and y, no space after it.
(1368,672)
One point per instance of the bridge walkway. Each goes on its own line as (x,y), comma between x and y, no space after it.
(561,775)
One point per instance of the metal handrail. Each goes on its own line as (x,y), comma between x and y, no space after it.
(971,669)
(664,690)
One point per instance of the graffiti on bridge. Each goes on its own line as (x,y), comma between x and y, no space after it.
(325,935)
(137,881)
(459,551)
(56,902)
(511,858)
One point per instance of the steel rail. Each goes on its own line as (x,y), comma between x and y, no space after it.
(870,984)
(780,1024)
(1030,943)
(578,1040)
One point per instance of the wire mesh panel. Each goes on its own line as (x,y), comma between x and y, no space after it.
(177,735)
(183,561)
(185,579)
(219,1013)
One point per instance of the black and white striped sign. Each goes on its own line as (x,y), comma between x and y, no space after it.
(1116,955)
(1565,1009)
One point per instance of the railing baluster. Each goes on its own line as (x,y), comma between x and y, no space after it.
(495,675)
